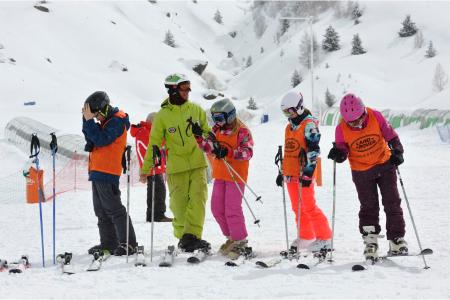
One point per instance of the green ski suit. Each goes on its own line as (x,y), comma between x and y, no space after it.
(185,166)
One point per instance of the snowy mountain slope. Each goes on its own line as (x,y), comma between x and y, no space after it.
(392,74)
(87,51)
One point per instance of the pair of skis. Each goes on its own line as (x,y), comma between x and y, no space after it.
(98,257)
(15,267)
(371,262)
(293,254)
(171,252)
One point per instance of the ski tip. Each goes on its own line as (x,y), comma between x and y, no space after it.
(140,265)
(193,260)
(303,266)
(261,264)
(230,264)
(356,268)
(426,251)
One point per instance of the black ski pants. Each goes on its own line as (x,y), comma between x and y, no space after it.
(160,197)
(112,215)
(384,177)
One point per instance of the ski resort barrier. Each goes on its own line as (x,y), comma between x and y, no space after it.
(72,161)
(424,117)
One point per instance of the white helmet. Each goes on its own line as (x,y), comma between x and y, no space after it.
(293,100)
(175,79)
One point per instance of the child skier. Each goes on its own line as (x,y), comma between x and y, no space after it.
(141,133)
(301,152)
(374,151)
(231,143)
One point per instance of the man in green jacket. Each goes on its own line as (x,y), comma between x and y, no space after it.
(186,163)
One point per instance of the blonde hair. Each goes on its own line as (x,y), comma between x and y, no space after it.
(150,117)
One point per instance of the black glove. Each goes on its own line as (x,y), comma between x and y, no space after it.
(306,181)
(156,156)
(220,152)
(337,155)
(279,180)
(196,130)
(396,157)
(89,146)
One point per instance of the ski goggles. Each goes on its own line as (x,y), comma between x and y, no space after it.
(288,112)
(219,117)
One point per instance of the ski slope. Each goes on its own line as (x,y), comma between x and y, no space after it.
(88,42)
(425,174)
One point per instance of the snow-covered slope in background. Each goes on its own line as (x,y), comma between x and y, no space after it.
(57,59)
(62,56)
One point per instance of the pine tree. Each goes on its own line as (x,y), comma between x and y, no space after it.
(431,52)
(249,61)
(440,79)
(356,13)
(252,104)
(296,78)
(218,17)
(330,99)
(305,50)
(284,26)
(331,40)
(357,47)
(169,40)
(409,28)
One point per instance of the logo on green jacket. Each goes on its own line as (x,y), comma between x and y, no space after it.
(172,130)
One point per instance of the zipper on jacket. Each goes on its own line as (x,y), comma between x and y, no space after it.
(179,132)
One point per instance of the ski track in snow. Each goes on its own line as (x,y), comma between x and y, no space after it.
(425,173)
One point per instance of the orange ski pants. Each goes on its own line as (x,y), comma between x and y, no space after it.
(313,222)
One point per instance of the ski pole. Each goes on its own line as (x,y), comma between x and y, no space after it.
(278,161)
(153,211)
(35,148)
(258,198)
(334,210)
(256,221)
(54,149)
(215,145)
(412,218)
(128,159)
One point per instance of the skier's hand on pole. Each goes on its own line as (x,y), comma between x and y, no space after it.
(156,156)
(279,180)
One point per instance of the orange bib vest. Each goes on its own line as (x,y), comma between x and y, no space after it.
(219,169)
(294,142)
(108,159)
(367,147)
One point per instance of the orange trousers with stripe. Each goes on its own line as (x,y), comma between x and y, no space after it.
(313,222)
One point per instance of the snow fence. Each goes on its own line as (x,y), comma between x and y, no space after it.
(71,161)
(424,117)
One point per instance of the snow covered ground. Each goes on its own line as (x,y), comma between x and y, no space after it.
(425,173)
(58,58)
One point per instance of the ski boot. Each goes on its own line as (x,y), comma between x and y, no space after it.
(225,247)
(398,246)
(237,248)
(320,246)
(122,250)
(190,243)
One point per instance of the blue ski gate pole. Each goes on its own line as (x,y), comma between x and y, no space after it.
(34,152)
(54,149)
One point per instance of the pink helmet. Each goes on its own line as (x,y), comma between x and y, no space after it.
(351,107)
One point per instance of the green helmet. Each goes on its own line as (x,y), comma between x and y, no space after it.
(175,79)
(223,110)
